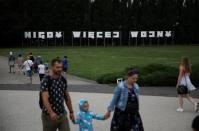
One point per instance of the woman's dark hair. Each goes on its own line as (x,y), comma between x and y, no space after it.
(19,55)
(195,123)
(131,72)
(55,61)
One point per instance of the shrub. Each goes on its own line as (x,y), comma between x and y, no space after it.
(157,67)
(109,78)
(195,75)
(158,78)
(152,75)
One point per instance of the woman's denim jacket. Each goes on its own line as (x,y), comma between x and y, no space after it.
(120,96)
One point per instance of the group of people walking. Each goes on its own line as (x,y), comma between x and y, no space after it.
(31,65)
(124,103)
(54,92)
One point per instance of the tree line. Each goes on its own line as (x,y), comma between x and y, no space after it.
(17,16)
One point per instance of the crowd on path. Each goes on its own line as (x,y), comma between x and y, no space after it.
(124,103)
(29,65)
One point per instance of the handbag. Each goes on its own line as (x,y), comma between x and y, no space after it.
(183,89)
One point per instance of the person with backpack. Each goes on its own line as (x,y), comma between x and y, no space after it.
(41,70)
(11,63)
(184,85)
(32,58)
(125,103)
(53,93)
(38,60)
(28,65)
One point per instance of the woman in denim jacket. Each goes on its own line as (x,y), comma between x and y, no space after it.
(125,103)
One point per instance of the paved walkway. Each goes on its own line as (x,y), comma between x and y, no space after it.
(19,110)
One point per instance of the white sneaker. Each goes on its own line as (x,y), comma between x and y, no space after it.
(196,107)
(179,109)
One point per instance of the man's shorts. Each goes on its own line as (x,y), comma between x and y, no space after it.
(62,123)
(29,73)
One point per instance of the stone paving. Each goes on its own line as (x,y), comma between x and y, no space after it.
(19,111)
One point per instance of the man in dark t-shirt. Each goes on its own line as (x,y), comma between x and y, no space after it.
(54,93)
(32,58)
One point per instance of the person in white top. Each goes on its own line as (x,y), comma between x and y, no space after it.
(41,70)
(185,82)
(28,64)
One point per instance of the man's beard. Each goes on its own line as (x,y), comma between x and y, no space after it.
(57,72)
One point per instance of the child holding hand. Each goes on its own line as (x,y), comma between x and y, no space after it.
(85,116)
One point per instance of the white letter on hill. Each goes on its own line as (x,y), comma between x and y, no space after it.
(151,33)
(27,34)
(168,33)
(143,33)
(134,34)
(34,35)
(76,34)
(159,33)
(116,34)
(41,35)
(58,34)
(91,35)
(49,34)
(99,35)
(107,34)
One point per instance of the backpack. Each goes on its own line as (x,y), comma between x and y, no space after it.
(31,67)
(41,105)
(11,58)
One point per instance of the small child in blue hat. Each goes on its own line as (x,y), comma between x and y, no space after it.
(85,117)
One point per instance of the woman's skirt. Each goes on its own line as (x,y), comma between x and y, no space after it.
(187,82)
(123,121)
